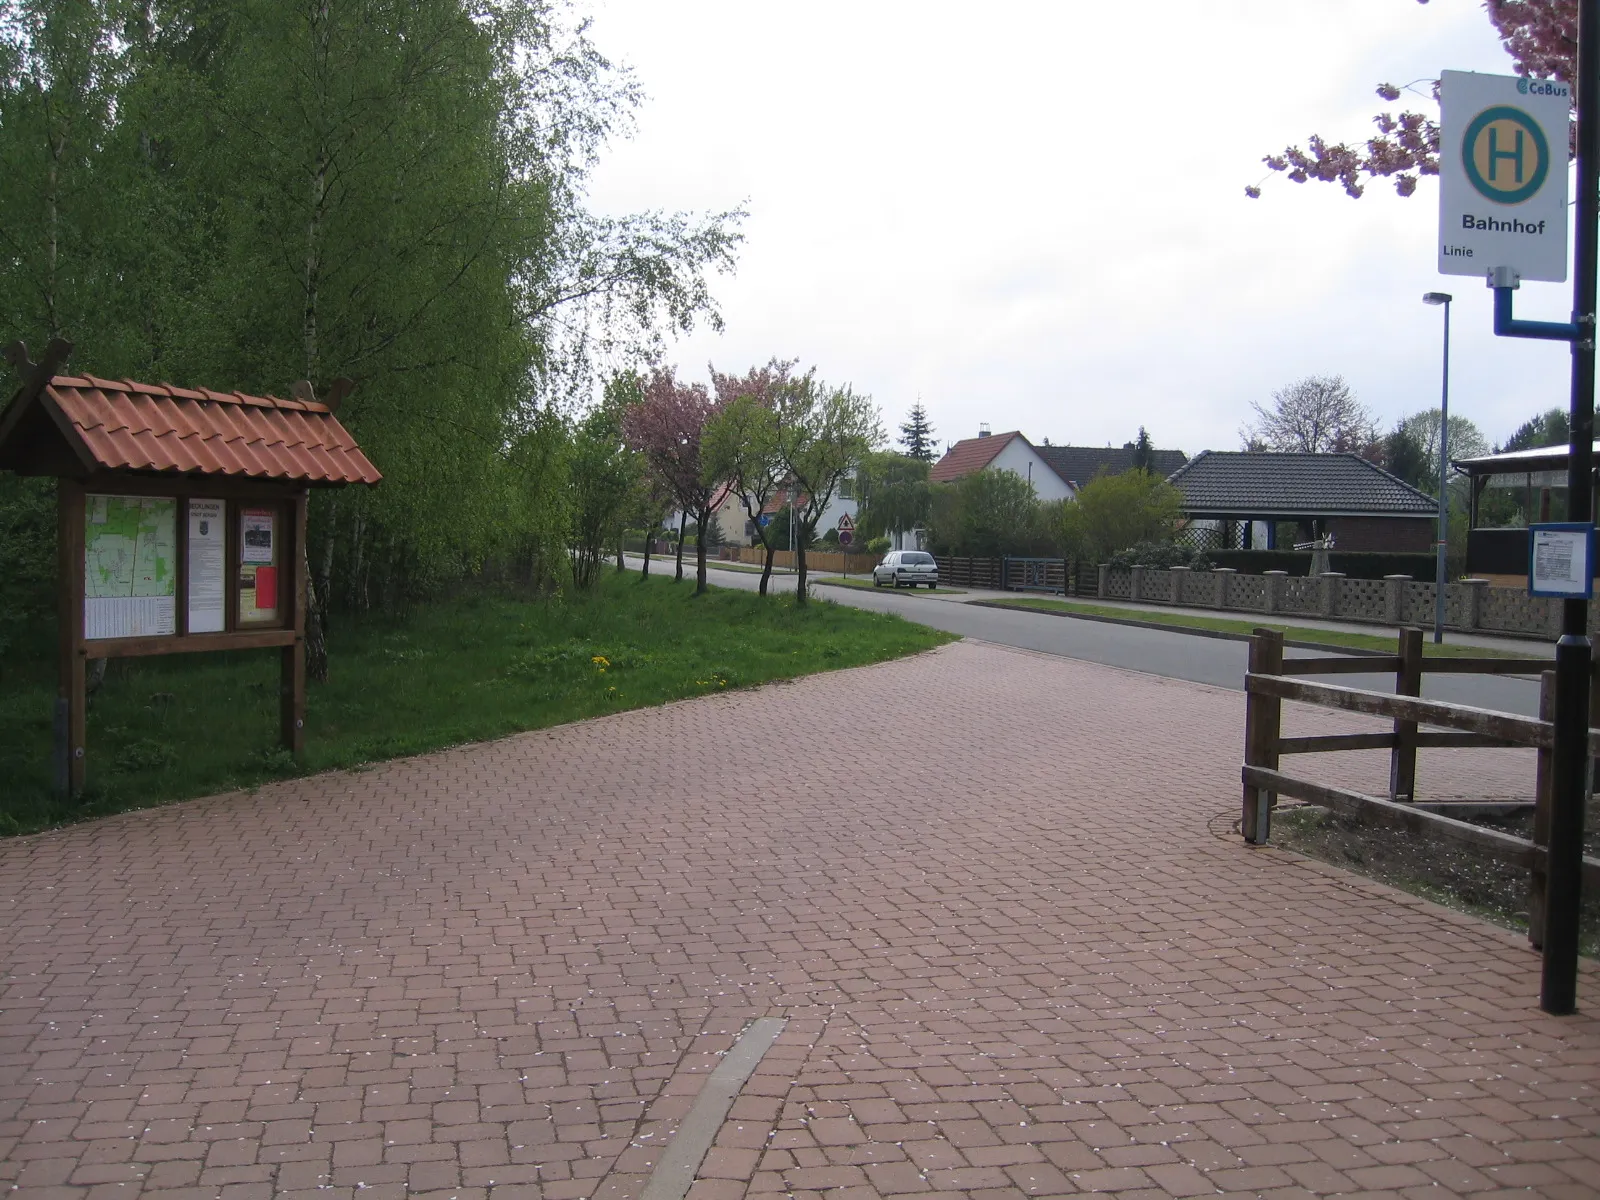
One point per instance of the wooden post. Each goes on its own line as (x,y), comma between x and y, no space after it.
(1263,721)
(1537,876)
(292,663)
(72,700)
(1407,682)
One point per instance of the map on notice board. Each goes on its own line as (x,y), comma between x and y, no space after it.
(130,566)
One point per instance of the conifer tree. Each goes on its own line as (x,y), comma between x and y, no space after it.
(916,435)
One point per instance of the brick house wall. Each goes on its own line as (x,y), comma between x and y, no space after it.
(1412,534)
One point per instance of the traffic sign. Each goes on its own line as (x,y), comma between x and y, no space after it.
(764,520)
(1503,175)
(846,523)
(846,536)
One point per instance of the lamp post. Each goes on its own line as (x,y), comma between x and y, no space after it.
(1442,298)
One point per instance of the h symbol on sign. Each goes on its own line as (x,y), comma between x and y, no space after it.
(1496,154)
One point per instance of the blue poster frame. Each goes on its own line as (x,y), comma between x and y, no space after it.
(1584,527)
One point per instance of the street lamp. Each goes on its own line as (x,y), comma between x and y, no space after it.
(1444,468)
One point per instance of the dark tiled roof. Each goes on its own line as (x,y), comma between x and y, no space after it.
(120,425)
(1249,484)
(969,455)
(1079,464)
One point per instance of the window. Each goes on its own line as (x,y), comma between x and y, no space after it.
(847,488)
(916,558)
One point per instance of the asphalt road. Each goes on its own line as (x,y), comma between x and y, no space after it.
(1216,661)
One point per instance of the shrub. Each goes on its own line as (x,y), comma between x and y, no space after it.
(1161,554)
(1115,512)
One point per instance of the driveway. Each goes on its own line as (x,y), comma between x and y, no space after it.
(1022,955)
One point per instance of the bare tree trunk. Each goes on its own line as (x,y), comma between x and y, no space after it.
(53,243)
(319,587)
(800,565)
(683,523)
(318,590)
(644,573)
(316,632)
(358,562)
(766,570)
(700,553)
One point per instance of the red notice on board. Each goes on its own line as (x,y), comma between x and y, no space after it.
(267,588)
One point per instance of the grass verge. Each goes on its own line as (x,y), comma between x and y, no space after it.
(1447,873)
(455,671)
(865,581)
(1222,626)
(742,568)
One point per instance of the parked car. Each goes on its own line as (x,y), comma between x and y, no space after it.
(906,568)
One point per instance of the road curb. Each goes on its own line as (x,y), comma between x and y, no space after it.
(1219,634)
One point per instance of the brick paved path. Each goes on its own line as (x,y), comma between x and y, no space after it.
(1022,960)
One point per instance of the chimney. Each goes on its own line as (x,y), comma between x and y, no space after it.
(983,429)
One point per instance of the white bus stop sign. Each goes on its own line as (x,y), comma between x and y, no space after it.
(1503,150)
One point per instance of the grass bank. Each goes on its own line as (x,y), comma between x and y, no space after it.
(461,670)
(1381,642)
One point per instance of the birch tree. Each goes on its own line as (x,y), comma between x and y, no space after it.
(822,432)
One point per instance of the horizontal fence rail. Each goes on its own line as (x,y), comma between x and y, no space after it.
(1269,682)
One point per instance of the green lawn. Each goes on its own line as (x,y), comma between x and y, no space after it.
(1384,642)
(865,581)
(456,671)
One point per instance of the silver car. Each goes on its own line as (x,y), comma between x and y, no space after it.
(906,568)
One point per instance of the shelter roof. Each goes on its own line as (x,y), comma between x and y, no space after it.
(970,455)
(1536,458)
(120,425)
(1077,465)
(1224,483)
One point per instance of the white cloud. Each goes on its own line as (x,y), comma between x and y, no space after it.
(1032,214)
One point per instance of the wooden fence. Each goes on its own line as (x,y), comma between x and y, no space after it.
(1269,682)
(818,562)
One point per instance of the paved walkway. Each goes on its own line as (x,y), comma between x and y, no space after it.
(1024,956)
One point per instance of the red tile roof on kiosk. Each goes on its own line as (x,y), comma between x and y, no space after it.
(127,426)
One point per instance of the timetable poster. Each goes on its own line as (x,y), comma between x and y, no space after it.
(208,570)
(258,565)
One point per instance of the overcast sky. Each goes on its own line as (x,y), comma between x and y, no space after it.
(1033,213)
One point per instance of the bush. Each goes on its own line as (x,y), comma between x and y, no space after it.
(1161,554)
(988,514)
(1116,512)
(878,545)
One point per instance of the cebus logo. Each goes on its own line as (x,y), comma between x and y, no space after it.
(1542,87)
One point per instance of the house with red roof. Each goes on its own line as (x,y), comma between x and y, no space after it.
(1056,472)
(1002,452)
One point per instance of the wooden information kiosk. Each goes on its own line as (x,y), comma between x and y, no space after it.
(181,521)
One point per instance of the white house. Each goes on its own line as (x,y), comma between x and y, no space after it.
(1002,452)
(1056,472)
